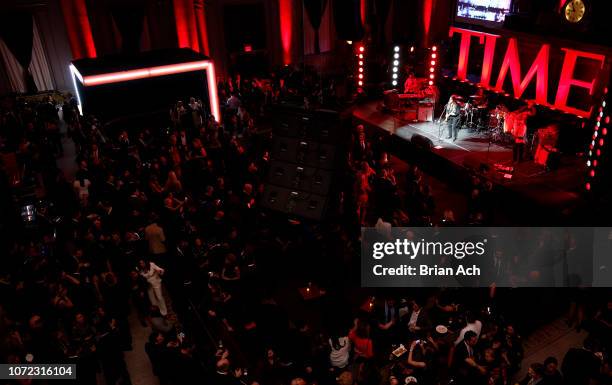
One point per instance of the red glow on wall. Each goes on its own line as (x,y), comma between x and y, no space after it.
(186,29)
(566,80)
(427,12)
(79,31)
(561,4)
(286,27)
(363,6)
(200,18)
(512,63)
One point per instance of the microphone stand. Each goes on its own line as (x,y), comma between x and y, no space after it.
(440,122)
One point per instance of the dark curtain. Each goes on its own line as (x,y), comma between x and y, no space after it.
(129,21)
(347,19)
(381,13)
(17,32)
(315,10)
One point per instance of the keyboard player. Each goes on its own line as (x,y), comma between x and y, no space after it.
(411,85)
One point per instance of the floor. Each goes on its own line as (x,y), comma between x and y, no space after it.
(551,340)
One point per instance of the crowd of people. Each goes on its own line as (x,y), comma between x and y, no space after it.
(164,221)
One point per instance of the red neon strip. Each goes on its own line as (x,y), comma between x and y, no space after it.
(143,73)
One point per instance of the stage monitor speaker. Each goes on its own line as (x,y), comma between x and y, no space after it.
(303,152)
(425,112)
(319,125)
(421,142)
(303,178)
(294,202)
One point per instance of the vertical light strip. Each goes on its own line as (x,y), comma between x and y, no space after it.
(598,140)
(74,74)
(395,61)
(360,66)
(433,65)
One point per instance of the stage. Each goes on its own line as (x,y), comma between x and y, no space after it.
(425,144)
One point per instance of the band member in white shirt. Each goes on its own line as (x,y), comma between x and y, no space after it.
(519,130)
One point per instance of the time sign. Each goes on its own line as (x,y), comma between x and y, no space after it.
(511,65)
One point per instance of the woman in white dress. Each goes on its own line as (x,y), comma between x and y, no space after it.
(153,273)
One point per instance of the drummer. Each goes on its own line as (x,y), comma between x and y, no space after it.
(479,98)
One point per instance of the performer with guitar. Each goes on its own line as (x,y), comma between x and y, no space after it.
(453,108)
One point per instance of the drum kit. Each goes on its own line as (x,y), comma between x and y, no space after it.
(476,116)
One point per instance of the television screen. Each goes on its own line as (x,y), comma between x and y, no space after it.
(484,11)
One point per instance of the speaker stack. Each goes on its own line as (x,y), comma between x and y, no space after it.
(303,158)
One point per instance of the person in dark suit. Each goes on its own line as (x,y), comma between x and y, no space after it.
(417,320)
(580,365)
(387,319)
(552,375)
(466,369)
(361,149)
(535,375)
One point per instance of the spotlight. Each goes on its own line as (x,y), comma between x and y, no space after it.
(412,49)
(433,62)
(394,76)
(433,55)
(394,69)
(397,48)
(361,49)
(394,82)
(396,62)
(360,83)
(349,42)
(434,48)
(430,83)
(396,56)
